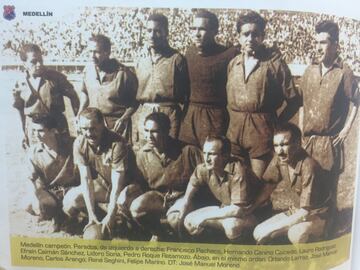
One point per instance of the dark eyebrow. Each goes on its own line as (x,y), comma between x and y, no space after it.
(196,27)
(283,143)
(152,130)
(252,31)
(210,152)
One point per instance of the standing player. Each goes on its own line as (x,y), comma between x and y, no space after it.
(259,81)
(328,88)
(163,77)
(42,92)
(207,62)
(109,86)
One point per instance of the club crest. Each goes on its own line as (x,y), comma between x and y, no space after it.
(9,12)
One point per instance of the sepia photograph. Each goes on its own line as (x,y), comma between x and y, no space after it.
(197,125)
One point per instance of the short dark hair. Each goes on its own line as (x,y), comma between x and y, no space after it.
(329,27)
(213,20)
(251,17)
(46,120)
(293,129)
(225,143)
(161,119)
(29,47)
(161,19)
(92,113)
(103,41)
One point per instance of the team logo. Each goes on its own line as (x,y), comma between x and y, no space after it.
(9,12)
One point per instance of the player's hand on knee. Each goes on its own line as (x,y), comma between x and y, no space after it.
(261,234)
(182,213)
(194,225)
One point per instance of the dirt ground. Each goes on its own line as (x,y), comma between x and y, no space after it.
(23,224)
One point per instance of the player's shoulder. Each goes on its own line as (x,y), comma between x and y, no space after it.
(225,52)
(123,68)
(189,51)
(112,66)
(345,67)
(271,54)
(235,167)
(53,75)
(307,163)
(232,50)
(273,58)
(190,148)
(113,138)
(179,57)
(201,172)
(237,59)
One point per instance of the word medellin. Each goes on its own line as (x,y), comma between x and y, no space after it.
(38,13)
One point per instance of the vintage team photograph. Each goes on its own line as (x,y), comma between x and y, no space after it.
(182,125)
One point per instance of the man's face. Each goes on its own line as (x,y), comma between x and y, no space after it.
(99,55)
(153,134)
(92,130)
(250,38)
(41,133)
(156,35)
(285,149)
(325,48)
(213,156)
(34,63)
(201,33)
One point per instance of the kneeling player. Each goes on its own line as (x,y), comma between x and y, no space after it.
(165,167)
(103,159)
(306,220)
(51,169)
(233,185)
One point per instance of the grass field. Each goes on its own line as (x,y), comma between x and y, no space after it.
(21,223)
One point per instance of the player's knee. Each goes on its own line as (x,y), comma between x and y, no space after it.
(173,220)
(232,232)
(298,233)
(258,232)
(233,227)
(149,202)
(70,204)
(48,207)
(137,208)
(188,224)
(128,195)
